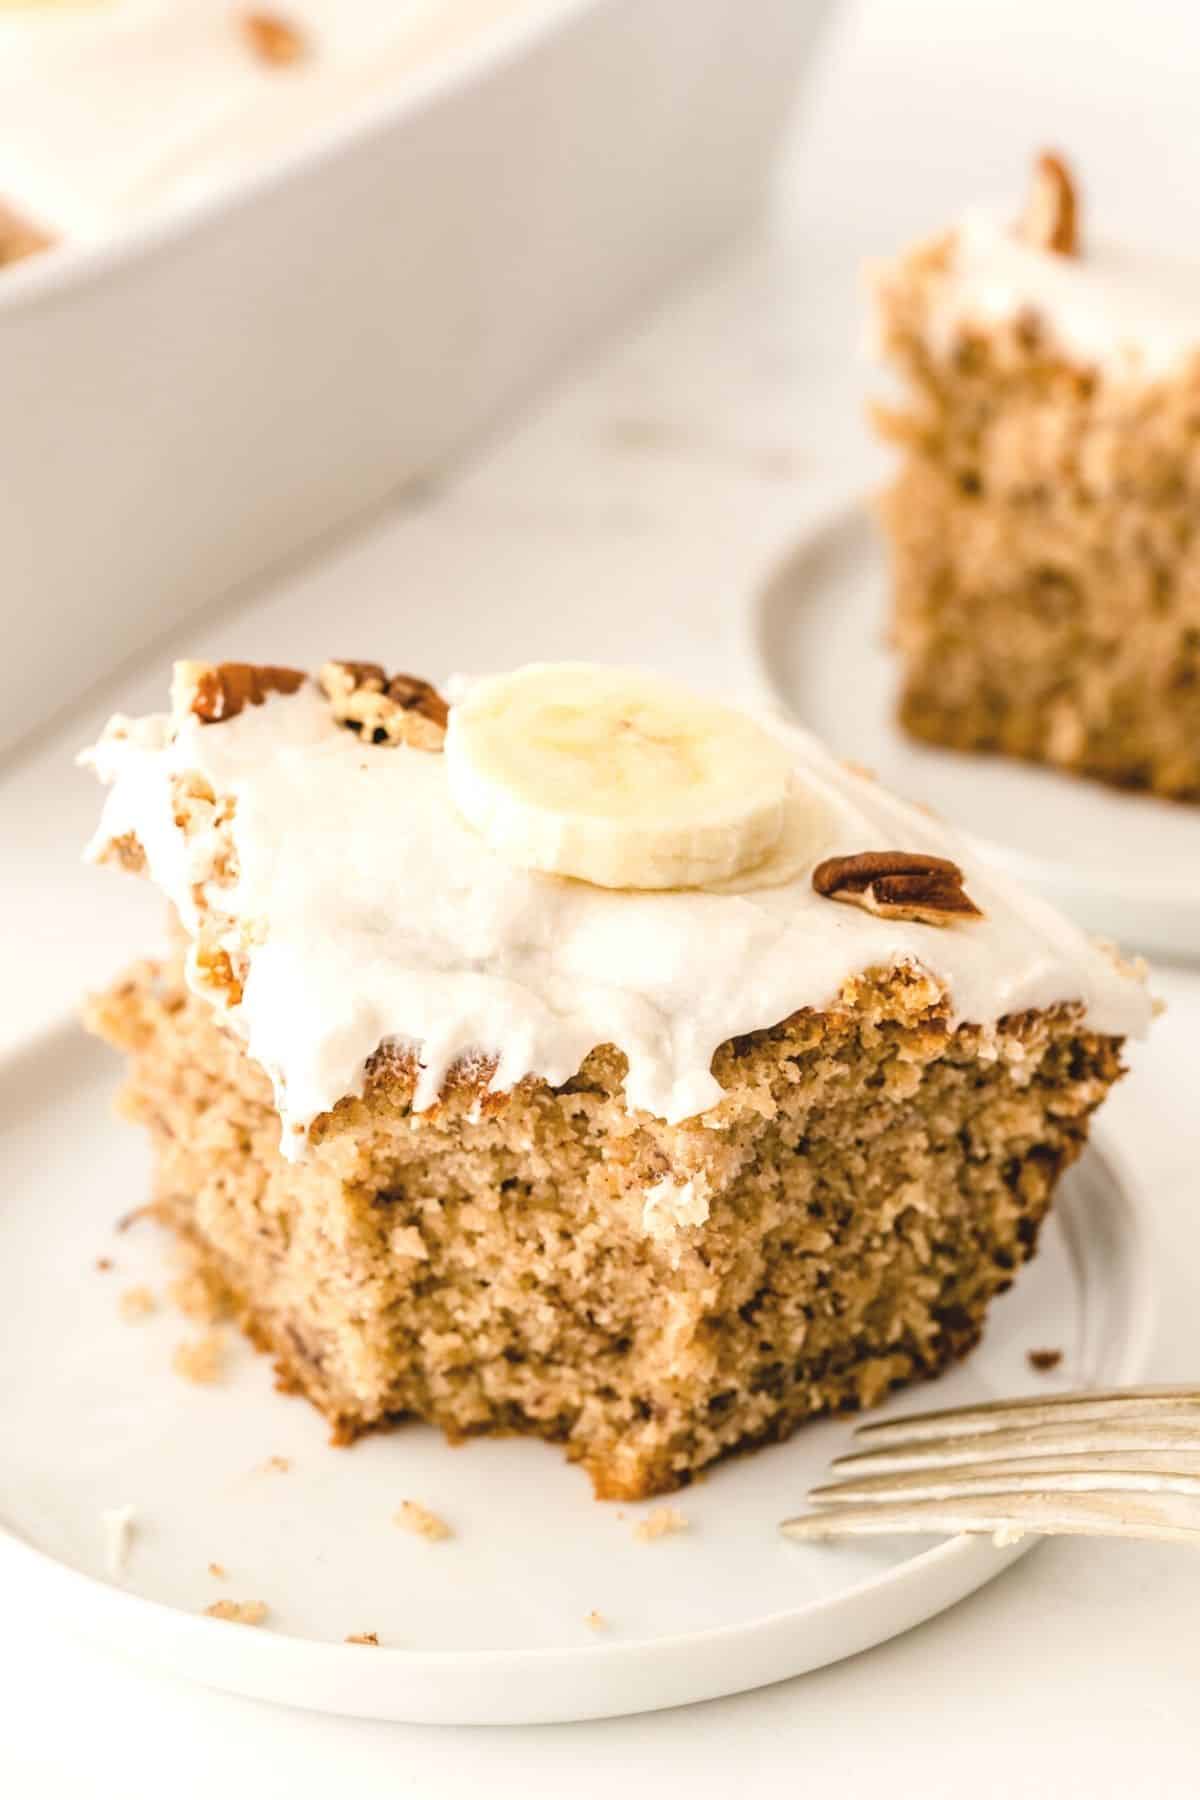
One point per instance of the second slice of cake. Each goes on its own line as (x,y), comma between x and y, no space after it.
(1043,525)
(586,1059)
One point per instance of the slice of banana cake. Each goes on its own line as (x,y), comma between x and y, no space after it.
(586,1058)
(1043,523)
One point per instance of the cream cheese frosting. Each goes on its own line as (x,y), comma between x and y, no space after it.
(113,110)
(374,915)
(1127,313)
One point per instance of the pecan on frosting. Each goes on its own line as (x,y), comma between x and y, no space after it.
(897,884)
(383,708)
(1051,217)
(214,692)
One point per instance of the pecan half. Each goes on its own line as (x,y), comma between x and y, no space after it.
(383,708)
(218,691)
(897,884)
(274,39)
(1051,217)
(19,236)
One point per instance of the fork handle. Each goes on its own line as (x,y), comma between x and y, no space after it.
(1165,1518)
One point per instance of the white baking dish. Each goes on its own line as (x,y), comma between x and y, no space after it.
(192,398)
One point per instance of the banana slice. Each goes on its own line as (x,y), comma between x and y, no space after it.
(615,776)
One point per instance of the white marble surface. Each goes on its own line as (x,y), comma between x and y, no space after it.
(626,516)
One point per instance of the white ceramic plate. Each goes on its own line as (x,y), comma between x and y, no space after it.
(1126,865)
(491,1626)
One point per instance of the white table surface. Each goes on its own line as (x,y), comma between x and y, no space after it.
(624,518)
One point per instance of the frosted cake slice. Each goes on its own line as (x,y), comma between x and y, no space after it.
(585,1059)
(1042,527)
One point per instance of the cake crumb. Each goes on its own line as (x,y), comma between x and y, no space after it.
(1006,1536)
(238,1612)
(421,1522)
(20,236)
(596,1621)
(276,1465)
(217,1571)
(118,1525)
(274,39)
(136,1303)
(199,1298)
(202,1359)
(1044,1360)
(664,1521)
(364,1637)
(104,1264)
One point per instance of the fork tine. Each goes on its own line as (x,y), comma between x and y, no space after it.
(1086,1515)
(997,1415)
(1115,1474)
(1056,1438)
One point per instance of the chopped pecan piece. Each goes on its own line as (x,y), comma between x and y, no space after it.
(274,39)
(897,884)
(212,969)
(218,691)
(1051,217)
(395,709)
(19,236)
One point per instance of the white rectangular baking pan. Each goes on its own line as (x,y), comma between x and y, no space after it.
(189,401)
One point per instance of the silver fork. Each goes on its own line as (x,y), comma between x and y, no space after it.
(1119,1462)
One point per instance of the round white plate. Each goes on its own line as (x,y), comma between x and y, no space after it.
(492,1625)
(1124,864)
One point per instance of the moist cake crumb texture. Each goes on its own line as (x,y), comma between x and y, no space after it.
(875,1140)
(1042,525)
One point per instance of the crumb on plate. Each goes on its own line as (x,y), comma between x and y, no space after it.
(421,1522)
(199,1297)
(238,1612)
(274,39)
(201,1359)
(664,1521)
(364,1637)
(1044,1360)
(136,1303)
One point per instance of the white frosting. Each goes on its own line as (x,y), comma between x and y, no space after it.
(385,919)
(1132,313)
(670,1207)
(110,111)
